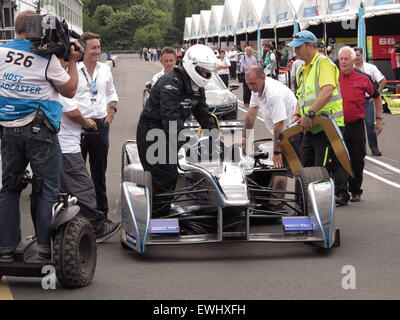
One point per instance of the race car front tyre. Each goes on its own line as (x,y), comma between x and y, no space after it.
(75,253)
(303,178)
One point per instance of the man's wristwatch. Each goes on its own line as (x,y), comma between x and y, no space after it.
(114,108)
(310,114)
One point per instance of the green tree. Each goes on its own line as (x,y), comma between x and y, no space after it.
(178,18)
(148,36)
(123,24)
(102,13)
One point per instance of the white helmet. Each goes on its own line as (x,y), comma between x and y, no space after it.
(199,62)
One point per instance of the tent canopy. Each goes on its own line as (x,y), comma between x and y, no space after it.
(204,22)
(311,12)
(215,21)
(194,31)
(253,16)
(229,17)
(284,13)
(266,20)
(188,26)
(381,7)
(241,21)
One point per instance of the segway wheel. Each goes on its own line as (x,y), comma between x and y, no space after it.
(75,253)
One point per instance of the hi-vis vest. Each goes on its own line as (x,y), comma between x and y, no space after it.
(309,90)
(23,84)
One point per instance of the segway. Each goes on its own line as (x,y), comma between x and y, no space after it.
(73,244)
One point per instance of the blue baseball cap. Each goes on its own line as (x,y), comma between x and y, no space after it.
(302,37)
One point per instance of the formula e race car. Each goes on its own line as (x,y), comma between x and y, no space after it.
(224,198)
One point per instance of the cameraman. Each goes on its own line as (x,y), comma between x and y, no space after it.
(29,120)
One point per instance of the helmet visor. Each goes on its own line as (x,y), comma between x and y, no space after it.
(203,72)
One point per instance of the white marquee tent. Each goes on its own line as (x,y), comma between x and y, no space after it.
(229,17)
(194,31)
(381,7)
(267,16)
(188,25)
(215,21)
(283,12)
(204,22)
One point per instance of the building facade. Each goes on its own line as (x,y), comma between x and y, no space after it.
(70,10)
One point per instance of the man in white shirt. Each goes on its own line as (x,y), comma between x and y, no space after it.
(223,65)
(168,61)
(74,177)
(97,99)
(233,58)
(380,81)
(278,104)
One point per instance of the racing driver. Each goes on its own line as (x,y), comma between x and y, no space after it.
(173,99)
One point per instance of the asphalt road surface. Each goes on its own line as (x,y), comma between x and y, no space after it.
(367,263)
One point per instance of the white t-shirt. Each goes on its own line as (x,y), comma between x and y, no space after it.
(277,103)
(55,74)
(373,71)
(232,55)
(220,62)
(70,132)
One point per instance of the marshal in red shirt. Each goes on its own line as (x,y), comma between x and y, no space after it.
(353,87)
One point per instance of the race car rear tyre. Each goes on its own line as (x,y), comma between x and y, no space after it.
(302,179)
(75,253)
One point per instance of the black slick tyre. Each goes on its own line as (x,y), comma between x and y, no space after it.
(75,253)
(303,178)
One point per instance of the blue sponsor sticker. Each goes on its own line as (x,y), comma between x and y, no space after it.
(297,224)
(164,226)
(131,239)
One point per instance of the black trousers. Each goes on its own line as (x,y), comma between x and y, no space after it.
(246,93)
(95,144)
(232,70)
(225,79)
(354,136)
(164,175)
(317,151)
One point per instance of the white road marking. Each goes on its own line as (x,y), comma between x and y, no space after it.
(393,184)
(383,164)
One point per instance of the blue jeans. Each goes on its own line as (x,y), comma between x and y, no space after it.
(370,124)
(20,146)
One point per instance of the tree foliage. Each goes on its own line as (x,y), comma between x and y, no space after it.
(124,23)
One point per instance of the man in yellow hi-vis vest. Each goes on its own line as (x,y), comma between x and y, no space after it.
(317,92)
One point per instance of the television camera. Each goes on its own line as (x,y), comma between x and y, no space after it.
(50,35)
